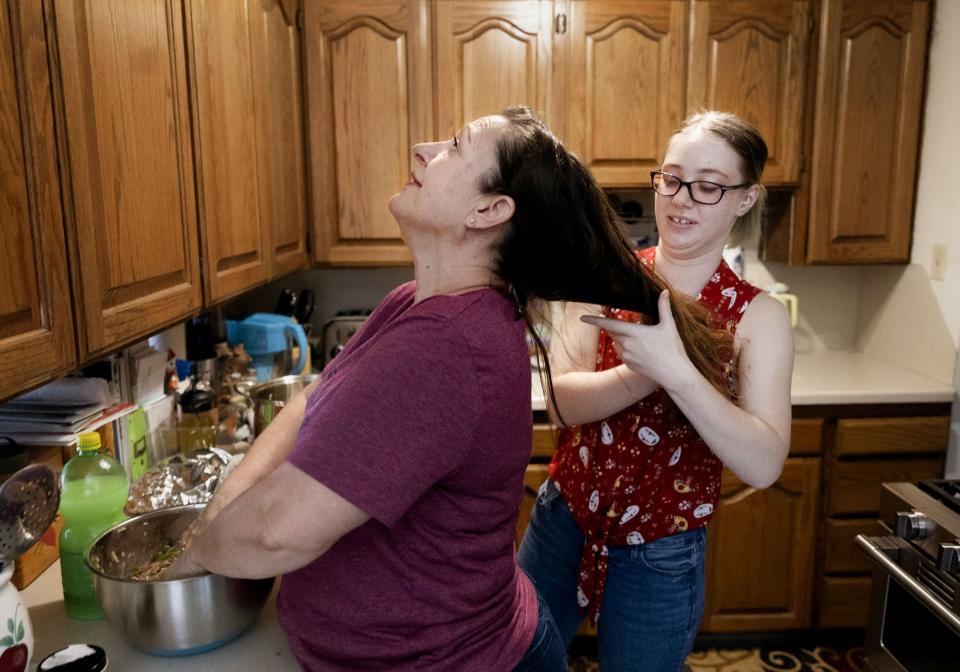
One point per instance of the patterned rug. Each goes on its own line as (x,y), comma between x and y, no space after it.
(786,659)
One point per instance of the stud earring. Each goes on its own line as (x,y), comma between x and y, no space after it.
(473,221)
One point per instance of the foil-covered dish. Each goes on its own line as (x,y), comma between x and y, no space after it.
(182,479)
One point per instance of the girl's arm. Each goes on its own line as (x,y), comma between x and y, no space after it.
(583,394)
(751,438)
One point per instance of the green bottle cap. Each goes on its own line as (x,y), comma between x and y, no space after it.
(88,441)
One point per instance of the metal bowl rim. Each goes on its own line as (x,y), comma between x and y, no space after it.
(150,514)
(305,378)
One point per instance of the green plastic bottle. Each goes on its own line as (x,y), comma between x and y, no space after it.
(93,492)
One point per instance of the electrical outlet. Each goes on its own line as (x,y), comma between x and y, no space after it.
(938,264)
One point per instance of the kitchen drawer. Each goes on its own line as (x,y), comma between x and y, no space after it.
(841,555)
(844,602)
(854,485)
(544,440)
(805,436)
(880,436)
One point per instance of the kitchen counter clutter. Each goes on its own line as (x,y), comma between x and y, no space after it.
(263,646)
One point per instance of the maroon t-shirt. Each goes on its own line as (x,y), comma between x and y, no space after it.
(423,421)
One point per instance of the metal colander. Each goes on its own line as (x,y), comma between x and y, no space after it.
(28,504)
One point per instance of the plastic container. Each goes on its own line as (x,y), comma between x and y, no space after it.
(93,492)
(198,419)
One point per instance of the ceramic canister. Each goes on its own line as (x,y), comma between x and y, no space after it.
(16,632)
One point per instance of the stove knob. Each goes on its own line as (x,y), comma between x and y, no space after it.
(948,557)
(911,525)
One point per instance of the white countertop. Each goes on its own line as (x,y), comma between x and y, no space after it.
(847,377)
(262,647)
(843,377)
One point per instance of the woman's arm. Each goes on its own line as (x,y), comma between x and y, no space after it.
(583,394)
(751,438)
(268,451)
(284,521)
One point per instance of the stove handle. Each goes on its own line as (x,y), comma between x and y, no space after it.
(908,582)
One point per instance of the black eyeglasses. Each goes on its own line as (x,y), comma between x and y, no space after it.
(701,191)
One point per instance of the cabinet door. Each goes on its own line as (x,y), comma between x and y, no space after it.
(275,45)
(130,184)
(866,130)
(750,57)
(36,332)
(491,55)
(235,240)
(370,96)
(761,551)
(625,86)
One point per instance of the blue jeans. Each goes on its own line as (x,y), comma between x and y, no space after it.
(653,599)
(547,652)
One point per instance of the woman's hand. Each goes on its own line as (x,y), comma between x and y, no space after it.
(182,568)
(653,351)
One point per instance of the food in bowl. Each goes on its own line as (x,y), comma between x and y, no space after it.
(168,617)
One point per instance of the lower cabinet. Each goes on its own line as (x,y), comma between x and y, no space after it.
(784,558)
(866,452)
(760,552)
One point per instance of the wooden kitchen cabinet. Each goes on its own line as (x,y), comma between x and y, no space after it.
(36,329)
(127,166)
(869,446)
(491,54)
(624,93)
(281,141)
(370,99)
(244,66)
(751,57)
(761,552)
(866,130)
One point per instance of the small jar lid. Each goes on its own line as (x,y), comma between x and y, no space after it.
(197,400)
(75,658)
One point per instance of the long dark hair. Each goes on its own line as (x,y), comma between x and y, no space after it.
(566,243)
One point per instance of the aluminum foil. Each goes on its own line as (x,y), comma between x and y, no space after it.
(181,479)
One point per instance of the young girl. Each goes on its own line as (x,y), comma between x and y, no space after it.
(387,494)
(618,531)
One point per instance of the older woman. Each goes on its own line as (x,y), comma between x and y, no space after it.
(387,494)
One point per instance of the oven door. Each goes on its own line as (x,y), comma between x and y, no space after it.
(911,628)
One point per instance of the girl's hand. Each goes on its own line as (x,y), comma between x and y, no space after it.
(655,351)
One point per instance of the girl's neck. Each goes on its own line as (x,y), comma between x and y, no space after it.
(687,274)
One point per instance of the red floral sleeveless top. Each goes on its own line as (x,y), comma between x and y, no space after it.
(643,473)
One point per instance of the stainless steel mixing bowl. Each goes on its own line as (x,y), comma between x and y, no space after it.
(270,397)
(177,617)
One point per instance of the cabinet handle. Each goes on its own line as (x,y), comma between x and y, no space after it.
(561,23)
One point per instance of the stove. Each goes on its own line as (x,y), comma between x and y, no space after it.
(945,492)
(915,596)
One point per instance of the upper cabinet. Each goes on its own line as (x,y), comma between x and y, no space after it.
(625,85)
(247,114)
(281,144)
(750,57)
(490,55)
(370,99)
(235,240)
(36,329)
(869,98)
(129,178)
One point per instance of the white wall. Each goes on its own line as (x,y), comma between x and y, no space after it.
(937,217)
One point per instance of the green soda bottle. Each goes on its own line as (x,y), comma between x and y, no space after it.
(93,492)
